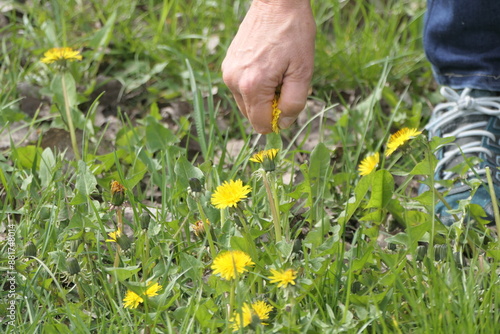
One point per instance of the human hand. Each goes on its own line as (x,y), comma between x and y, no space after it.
(272,50)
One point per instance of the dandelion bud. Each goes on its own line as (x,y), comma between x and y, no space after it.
(421,252)
(123,241)
(117,193)
(73,266)
(268,164)
(440,252)
(195,184)
(144,219)
(30,250)
(266,158)
(199,228)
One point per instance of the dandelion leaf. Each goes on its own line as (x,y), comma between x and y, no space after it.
(425,167)
(85,184)
(382,189)
(158,137)
(318,168)
(123,274)
(353,203)
(47,165)
(184,170)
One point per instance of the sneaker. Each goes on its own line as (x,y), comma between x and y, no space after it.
(473,118)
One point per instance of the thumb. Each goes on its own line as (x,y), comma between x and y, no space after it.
(292,101)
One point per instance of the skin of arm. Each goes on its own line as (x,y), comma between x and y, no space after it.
(273,49)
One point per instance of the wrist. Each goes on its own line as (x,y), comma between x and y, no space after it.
(284,4)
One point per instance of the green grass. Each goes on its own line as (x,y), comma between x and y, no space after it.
(370,256)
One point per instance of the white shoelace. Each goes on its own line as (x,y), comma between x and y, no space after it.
(461,105)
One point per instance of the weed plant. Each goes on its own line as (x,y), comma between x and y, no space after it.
(146,235)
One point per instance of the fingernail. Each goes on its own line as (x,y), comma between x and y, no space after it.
(285,122)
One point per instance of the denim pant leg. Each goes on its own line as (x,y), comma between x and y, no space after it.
(462,42)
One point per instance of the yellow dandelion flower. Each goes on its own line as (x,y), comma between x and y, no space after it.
(113,236)
(153,289)
(229,194)
(266,159)
(257,312)
(276,115)
(400,138)
(369,164)
(231,263)
(60,54)
(259,157)
(132,299)
(283,277)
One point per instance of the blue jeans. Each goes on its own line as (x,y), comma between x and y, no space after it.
(462,42)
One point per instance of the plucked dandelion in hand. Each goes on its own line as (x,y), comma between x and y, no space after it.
(283,277)
(276,115)
(229,194)
(61,55)
(251,314)
(231,263)
(369,164)
(400,138)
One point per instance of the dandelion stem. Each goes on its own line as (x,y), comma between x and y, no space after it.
(145,254)
(206,226)
(272,197)
(222,218)
(493,199)
(119,218)
(246,233)
(69,119)
(81,295)
(232,295)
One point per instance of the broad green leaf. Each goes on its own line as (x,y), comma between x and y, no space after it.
(85,184)
(47,165)
(318,168)
(425,167)
(359,264)
(158,137)
(285,248)
(192,266)
(273,140)
(124,273)
(437,142)
(26,156)
(58,258)
(303,188)
(426,198)
(353,203)
(382,189)
(375,216)
(184,170)
(400,239)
